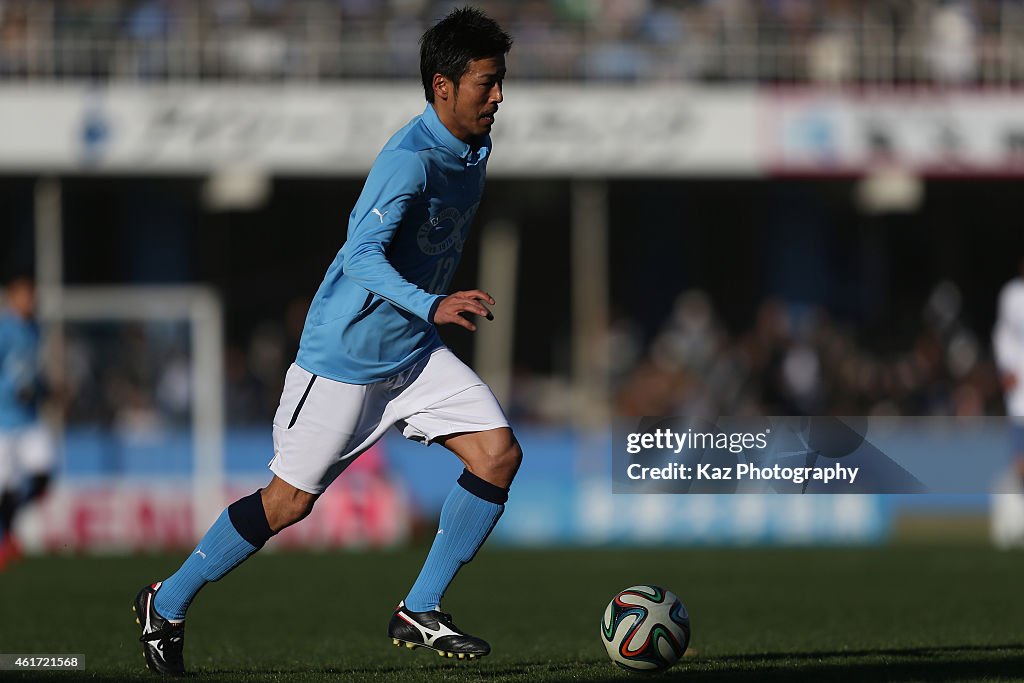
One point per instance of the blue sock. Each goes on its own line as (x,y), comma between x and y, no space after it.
(241,530)
(467,517)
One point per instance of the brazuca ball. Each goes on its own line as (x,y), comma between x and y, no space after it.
(645,628)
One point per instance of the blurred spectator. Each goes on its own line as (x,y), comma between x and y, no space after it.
(148,26)
(951,45)
(15,40)
(831,50)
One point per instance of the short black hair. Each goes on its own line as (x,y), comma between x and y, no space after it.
(16,274)
(452,43)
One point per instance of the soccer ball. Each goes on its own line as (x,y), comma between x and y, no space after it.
(645,628)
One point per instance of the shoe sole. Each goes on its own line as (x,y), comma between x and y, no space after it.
(398,642)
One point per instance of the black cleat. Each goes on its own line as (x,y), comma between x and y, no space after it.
(434,630)
(162,641)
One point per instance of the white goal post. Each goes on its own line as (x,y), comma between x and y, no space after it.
(201,307)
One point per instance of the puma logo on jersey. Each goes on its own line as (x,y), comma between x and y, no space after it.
(200,553)
(379,214)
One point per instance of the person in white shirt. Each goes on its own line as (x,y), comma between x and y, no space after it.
(1008,342)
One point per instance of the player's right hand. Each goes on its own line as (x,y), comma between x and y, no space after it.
(451,308)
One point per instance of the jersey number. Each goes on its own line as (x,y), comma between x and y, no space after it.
(442,276)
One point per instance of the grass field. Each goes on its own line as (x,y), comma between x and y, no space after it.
(904,613)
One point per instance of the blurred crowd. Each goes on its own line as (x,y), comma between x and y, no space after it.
(799,361)
(135,379)
(953,41)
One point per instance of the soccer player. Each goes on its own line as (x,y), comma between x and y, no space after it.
(26,451)
(1008,340)
(370,356)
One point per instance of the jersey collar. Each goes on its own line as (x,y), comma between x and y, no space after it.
(461,149)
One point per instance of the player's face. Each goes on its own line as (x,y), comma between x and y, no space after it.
(475,101)
(21,297)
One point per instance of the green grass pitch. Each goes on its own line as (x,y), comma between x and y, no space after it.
(901,613)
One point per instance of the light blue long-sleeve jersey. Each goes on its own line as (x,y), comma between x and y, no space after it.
(19,371)
(372,316)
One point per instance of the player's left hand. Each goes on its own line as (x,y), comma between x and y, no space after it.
(452,306)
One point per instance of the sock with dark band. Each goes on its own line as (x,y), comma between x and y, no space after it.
(467,518)
(240,531)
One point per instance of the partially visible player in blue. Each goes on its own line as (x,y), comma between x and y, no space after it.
(370,357)
(26,449)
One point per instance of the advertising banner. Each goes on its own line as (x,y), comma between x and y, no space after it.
(932,132)
(339,129)
(558,130)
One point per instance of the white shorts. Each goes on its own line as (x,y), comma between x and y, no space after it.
(322,425)
(1015,401)
(26,451)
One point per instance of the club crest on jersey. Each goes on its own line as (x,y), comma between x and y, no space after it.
(444,230)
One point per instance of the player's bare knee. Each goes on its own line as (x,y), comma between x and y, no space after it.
(500,464)
(285,505)
(283,513)
(512,458)
(298,510)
